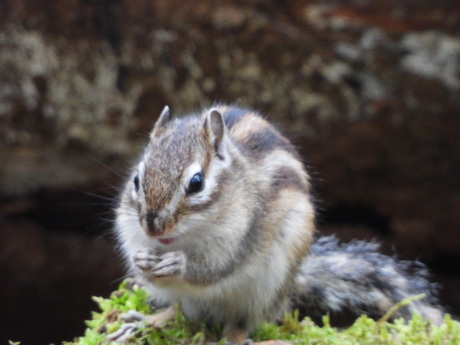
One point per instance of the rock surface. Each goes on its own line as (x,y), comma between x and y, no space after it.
(368,91)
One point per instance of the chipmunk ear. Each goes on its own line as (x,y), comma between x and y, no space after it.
(163,119)
(215,129)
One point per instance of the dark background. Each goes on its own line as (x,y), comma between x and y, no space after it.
(368,91)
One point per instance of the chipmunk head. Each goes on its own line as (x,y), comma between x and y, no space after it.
(180,173)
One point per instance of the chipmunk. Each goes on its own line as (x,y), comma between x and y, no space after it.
(218,217)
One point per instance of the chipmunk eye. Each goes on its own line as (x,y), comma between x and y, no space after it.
(196,184)
(136,182)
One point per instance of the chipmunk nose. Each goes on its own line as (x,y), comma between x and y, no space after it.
(152,223)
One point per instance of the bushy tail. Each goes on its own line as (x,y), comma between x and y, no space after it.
(356,277)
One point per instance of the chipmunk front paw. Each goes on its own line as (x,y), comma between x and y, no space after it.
(169,264)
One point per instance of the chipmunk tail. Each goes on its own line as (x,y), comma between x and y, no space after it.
(357,278)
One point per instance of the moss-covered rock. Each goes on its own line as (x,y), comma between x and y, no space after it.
(364,331)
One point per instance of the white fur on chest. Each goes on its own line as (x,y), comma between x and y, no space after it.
(248,292)
(245,292)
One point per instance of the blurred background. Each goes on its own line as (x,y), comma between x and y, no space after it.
(369,91)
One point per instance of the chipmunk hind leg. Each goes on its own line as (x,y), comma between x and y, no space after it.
(357,278)
(158,320)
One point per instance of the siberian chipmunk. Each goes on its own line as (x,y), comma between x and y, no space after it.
(218,217)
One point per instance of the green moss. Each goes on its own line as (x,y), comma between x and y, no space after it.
(364,331)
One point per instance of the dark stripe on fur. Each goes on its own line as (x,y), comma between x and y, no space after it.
(287,178)
(232,115)
(259,143)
